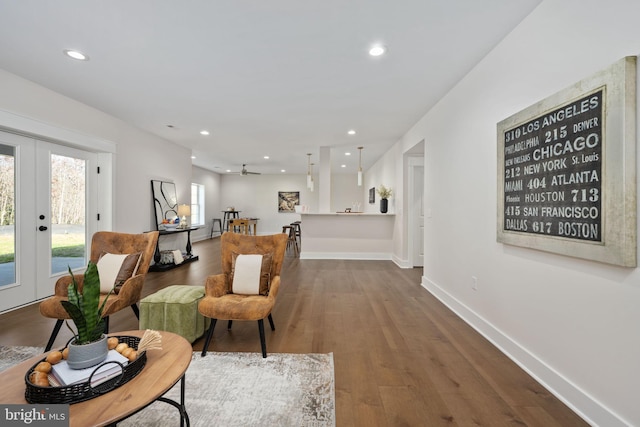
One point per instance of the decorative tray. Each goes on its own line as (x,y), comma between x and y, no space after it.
(79,392)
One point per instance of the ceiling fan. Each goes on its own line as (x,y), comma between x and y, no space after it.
(245,172)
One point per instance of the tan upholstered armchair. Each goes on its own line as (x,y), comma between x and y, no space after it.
(220,302)
(128,294)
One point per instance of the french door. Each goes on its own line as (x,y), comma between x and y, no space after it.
(48,208)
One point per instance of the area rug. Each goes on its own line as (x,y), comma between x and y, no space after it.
(239,389)
(10,356)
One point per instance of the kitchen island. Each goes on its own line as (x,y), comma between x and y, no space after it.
(342,235)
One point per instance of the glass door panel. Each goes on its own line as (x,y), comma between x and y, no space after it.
(7,216)
(17,223)
(68,213)
(66,193)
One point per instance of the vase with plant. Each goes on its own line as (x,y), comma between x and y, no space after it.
(384,194)
(89,344)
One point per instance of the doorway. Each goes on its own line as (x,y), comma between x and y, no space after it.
(415,217)
(48,211)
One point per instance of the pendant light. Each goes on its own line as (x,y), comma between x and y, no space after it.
(309,178)
(360,167)
(311,186)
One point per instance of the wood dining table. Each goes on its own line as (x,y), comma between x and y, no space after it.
(244,224)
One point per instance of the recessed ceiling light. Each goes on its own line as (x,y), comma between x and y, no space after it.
(76,55)
(352,132)
(343,166)
(377,50)
(266,157)
(228,170)
(204,132)
(282,170)
(347,154)
(193,157)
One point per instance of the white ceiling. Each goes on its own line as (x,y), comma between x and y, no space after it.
(266,77)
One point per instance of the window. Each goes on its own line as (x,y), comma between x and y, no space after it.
(197,204)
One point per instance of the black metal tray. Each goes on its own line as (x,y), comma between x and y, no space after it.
(80,392)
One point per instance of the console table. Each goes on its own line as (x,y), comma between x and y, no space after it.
(187,259)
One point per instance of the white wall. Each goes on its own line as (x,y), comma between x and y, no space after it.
(345,192)
(383,172)
(257,197)
(141,158)
(572,323)
(388,171)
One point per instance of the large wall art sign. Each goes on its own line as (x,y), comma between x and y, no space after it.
(567,170)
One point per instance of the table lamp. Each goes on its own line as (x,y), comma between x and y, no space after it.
(183,212)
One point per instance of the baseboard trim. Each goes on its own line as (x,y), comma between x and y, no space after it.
(592,411)
(402,263)
(373,256)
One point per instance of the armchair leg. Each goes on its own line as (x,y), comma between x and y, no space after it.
(273,326)
(54,334)
(106,324)
(229,324)
(136,311)
(262,340)
(209,335)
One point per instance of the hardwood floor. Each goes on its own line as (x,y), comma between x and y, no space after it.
(401,357)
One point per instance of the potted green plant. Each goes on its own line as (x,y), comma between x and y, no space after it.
(89,344)
(384,194)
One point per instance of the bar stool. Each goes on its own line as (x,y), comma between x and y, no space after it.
(291,241)
(297,231)
(227,216)
(215,221)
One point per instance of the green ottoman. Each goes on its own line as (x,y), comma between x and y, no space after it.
(174,309)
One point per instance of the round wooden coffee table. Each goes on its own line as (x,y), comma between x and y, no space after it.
(163,370)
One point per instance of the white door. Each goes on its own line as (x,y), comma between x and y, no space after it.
(47,215)
(416,210)
(17,229)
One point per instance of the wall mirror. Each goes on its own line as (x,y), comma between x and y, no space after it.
(165,201)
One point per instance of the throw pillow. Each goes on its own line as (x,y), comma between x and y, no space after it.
(115,269)
(250,276)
